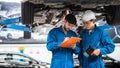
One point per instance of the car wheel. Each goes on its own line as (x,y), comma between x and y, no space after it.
(9,36)
(112,17)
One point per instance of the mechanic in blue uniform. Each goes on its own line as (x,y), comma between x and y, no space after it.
(62,57)
(94,39)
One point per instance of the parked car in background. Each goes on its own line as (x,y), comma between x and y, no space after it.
(9,33)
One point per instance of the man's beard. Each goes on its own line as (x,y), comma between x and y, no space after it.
(65,28)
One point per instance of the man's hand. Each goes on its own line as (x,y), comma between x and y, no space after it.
(96,52)
(67,38)
(73,46)
(69,44)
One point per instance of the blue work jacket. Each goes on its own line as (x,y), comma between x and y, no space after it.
(97,39)
(61,57)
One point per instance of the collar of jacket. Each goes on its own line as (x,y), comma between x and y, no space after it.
(93,30)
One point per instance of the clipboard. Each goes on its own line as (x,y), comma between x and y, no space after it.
(70,41)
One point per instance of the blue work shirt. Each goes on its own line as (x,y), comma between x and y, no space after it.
(97,39)
(61,57)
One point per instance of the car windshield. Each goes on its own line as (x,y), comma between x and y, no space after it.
(3,29)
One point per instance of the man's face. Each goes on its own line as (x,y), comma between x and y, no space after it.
(89,25)
(67,26)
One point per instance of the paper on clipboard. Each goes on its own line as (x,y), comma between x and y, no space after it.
(70,41)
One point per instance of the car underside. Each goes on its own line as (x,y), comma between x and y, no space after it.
(109,8)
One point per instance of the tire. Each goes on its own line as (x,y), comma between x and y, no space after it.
(9,36)
(112,15)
